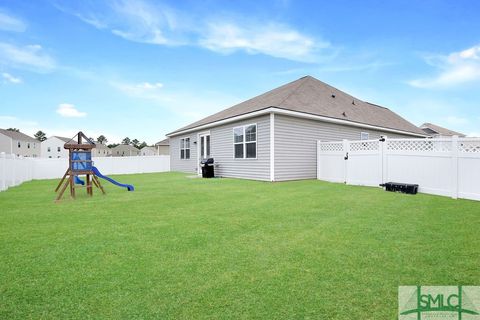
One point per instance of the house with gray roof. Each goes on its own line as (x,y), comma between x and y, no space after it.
(273,136)
(148,151)
(18,143)
(52,147)
(101,150)
(436,131)
(125,150)
(163,147)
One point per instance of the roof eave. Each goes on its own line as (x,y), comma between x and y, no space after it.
(297,114)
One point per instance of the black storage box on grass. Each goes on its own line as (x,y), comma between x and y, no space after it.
(401,187)
(208,170)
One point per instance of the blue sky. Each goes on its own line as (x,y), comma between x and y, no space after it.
(144,68)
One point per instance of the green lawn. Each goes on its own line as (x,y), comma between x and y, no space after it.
(225,248)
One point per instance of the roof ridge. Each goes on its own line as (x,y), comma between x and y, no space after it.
(304,79)
(377,105)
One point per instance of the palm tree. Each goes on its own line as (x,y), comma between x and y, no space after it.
(126,141)
(102,139)
(40,136)
(135,143)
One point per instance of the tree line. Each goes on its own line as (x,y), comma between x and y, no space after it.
(42,136)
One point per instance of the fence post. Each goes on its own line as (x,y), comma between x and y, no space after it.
(383,158)
(454,186)
(346,149)
(318,159)
(3,171)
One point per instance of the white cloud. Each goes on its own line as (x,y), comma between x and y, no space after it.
(145,22)
(7,77)
(150,86)
(154,23)
(9,23)
(177,100)
(474,134)
(272,39)
(139,21)
(68,110)
(144,90)
(30,56)
(457,68)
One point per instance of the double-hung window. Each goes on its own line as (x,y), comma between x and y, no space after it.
(245,142)
(185,148)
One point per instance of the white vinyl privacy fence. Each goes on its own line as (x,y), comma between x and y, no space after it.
(449,167)
(15,170)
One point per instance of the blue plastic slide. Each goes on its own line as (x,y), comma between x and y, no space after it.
(79,181)
(98,174)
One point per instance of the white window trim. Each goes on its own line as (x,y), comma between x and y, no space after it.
(364,133)
(245,141)
(199,144)
(189,148)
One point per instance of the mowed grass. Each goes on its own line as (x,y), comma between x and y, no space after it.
(227,249)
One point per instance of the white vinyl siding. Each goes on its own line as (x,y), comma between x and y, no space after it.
(296,144)
(295,147)
(183,165)
(222,150)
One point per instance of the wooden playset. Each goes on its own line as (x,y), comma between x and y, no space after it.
(80,163)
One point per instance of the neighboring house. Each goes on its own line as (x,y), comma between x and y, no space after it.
(435,131)
(101,150)
(125,150)
(163,147)
(52,147)
(274,136)
(148,151)
(18,143)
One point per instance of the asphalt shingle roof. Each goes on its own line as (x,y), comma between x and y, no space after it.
(63,138)
(18,135)
(440,130)
(164,142)
(312,96)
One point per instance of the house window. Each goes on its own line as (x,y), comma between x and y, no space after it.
(245,142)
(48,149)
(364,135)
(185,148)
(58,149)
(28,145)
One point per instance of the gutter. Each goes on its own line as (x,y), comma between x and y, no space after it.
(293,114)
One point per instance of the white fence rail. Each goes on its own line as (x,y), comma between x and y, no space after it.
(16,170)
(449,167)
